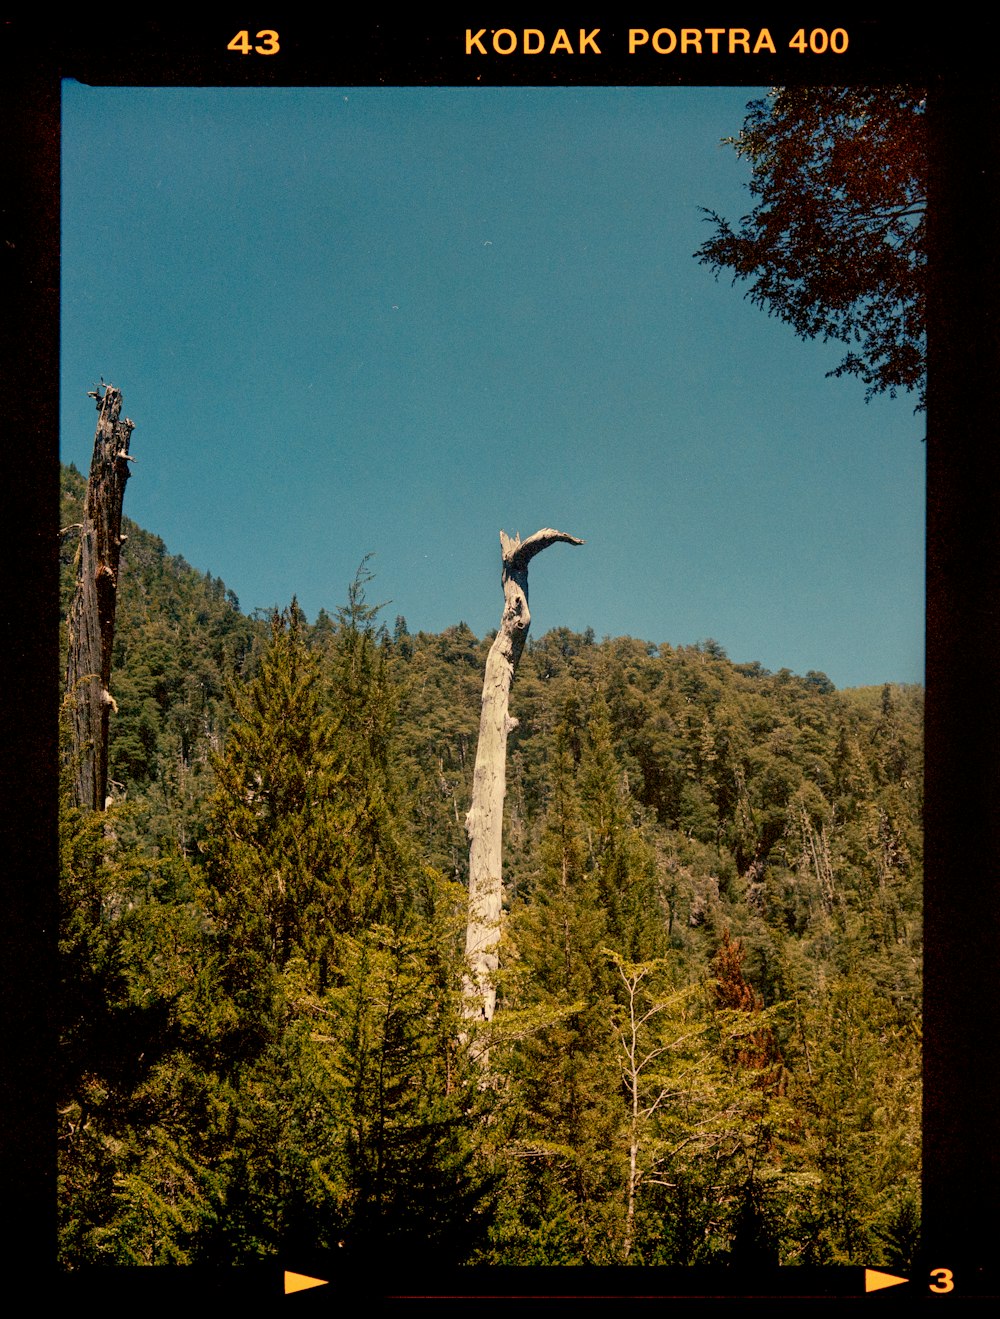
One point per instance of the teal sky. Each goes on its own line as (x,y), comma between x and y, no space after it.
(395,320)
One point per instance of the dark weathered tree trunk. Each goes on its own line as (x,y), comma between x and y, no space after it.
(92,616)
(484,822)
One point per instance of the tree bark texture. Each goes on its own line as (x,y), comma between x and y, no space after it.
(484,822)
(92,615)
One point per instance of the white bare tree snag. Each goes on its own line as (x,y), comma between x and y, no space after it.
(92,616)
(484,822)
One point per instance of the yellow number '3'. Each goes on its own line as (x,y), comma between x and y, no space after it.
(945,1280)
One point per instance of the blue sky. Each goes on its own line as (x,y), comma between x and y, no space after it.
(395,320)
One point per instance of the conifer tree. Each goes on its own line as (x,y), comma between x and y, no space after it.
(341,961)
(132,1190)
(567,1112)
(621,859)
(276,863)
(363,700)
(408,1192)
(856,1092)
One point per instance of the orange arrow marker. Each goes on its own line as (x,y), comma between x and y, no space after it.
(875,1281)
(299,1282)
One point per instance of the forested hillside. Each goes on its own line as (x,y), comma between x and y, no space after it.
(707,1040)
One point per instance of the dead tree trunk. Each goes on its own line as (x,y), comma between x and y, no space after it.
(484,822)
(92,615)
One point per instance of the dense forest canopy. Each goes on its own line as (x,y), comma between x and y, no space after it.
(707,1040)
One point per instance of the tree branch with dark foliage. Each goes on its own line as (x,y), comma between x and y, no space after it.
(836,244)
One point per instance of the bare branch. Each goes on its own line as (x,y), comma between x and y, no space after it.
(519,553)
